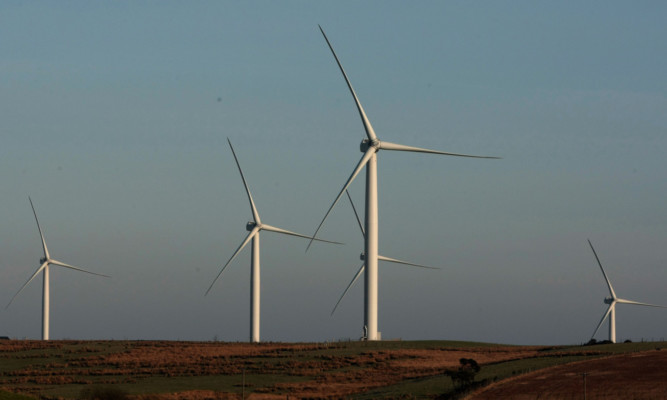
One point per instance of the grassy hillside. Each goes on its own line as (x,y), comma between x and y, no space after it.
(392,369)
(13,396)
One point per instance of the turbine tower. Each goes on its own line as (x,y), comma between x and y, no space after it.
(370,147)
(254,227)
(612,301)
(362,257)
(45,262)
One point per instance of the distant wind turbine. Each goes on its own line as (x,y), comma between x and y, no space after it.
(370,147)
(254,227)
(45,262)
(362,257)
(612,301)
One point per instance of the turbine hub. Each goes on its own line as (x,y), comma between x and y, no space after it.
(366,144)
(250,225)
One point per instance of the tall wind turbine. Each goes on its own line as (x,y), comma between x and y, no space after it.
(254,227)
(362,257)
(612,301)
(370,147)
(45,262)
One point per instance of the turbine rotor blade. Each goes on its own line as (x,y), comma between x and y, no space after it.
(361,270)
(611,289)
(363,233)
(62,264)
(370,133)
(252,233)
(41,235)
(393,260)
(606,314)
(623,301)
(399,147)
(364,159)
(41,267)
(253,208)
(286,232)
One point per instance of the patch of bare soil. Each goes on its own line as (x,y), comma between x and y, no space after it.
(628,376)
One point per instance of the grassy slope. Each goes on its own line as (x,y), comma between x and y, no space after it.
(431,387)
(12,396)
(56,356)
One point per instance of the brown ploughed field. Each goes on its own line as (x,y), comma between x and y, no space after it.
(621,377)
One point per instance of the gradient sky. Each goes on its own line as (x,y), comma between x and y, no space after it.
(114,119)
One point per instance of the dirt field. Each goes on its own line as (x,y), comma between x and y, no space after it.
(627,376)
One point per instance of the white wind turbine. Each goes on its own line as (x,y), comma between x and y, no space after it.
(370,147)
(45,262)
(612,301)
(362,257)
(255,227)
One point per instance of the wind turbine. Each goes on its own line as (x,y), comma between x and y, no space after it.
(362,257)
(45,262)
(370,147)
(254,227)
(612,301)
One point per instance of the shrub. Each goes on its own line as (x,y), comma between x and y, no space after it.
(465,374)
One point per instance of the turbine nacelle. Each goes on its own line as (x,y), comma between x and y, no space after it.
(250,225)
(608,300)
(43,260)
(366,144)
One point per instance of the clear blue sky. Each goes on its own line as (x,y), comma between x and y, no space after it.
(114,118)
